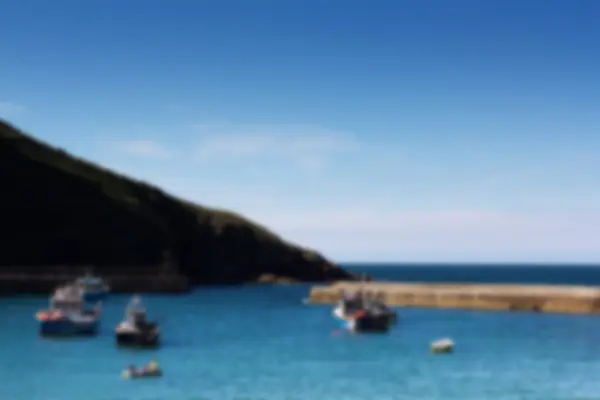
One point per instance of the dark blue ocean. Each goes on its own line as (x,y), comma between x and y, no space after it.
(261,343)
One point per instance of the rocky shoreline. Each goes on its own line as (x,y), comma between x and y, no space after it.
(149,279)
(45,284)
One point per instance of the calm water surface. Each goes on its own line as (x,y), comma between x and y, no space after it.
(260,343)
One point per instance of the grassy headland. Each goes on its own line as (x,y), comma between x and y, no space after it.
(58,210)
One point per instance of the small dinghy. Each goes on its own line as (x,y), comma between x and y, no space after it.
(150,371)
(442,346)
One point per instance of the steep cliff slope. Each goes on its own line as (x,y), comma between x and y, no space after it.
(56,209)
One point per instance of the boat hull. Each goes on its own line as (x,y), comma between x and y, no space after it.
(371,324)
(69,328)
(142,374)
(380,323)
(136,339)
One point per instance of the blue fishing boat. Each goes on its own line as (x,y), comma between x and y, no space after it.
(67,316)
(93,287)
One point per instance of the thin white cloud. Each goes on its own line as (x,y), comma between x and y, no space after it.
(370,222)
(144,148)
(305,145)
(10,110)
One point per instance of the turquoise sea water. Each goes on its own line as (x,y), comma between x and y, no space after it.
(261,343)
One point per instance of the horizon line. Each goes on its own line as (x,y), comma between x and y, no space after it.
(468,263)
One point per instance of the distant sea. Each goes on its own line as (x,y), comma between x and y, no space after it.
(261,343)
(484,273)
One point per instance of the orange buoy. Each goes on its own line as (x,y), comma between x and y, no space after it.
(42,316)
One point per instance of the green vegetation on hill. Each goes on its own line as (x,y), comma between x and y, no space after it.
(56,209)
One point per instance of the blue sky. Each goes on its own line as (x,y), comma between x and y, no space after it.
(425,130)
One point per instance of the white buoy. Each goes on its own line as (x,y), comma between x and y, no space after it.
(442,346)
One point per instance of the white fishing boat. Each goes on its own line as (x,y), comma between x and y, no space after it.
(67,315)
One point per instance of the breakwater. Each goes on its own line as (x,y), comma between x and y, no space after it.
(533,298)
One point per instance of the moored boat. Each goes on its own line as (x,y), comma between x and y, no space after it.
(150,371)
(360,312)
(135,330)
(67,315)
(93,287)
(442,346)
